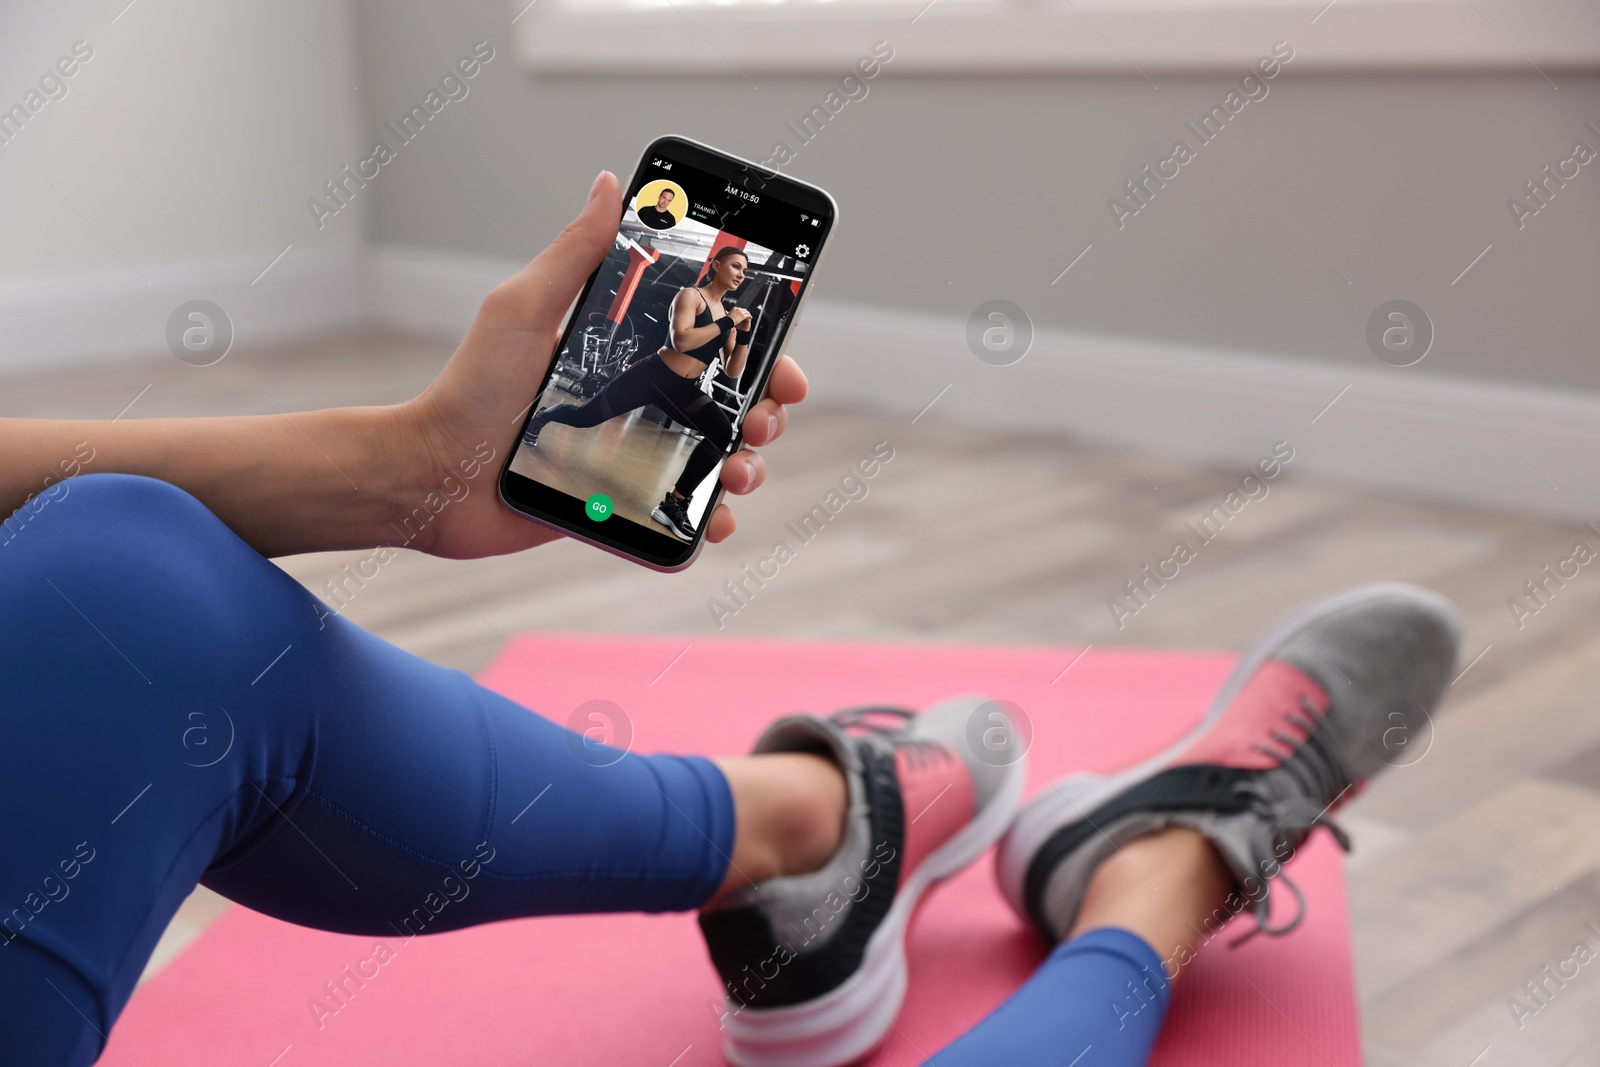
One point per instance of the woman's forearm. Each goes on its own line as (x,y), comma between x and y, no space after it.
(301,482)
(420,474)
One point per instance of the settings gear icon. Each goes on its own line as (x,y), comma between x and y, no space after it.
(802,251)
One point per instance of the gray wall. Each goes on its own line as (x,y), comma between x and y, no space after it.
(193,135)
(988,187)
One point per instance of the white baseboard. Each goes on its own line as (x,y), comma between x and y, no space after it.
(66,321)
(1478,442)
(1494,444)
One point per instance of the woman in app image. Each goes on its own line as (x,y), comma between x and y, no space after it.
(700,332)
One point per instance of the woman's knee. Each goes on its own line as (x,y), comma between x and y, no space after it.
(128,495)
(140,556)
(18,523)
(714,424)
(717,433)
(108,523)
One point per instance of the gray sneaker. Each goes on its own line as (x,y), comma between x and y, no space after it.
(814,965)
(1317,706)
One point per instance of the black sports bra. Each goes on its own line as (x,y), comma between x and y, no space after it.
(712,348)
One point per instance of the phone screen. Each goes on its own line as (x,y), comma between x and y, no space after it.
(669,346)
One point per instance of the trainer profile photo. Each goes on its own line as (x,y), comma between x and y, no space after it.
(661,205)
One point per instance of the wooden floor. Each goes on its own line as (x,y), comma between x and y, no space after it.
(1476,866)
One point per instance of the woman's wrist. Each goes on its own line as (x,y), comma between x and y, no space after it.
(346,494)
(407,478)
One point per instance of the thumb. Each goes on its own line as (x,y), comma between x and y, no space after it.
(540,293)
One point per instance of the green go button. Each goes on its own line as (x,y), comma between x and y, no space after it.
(598,507)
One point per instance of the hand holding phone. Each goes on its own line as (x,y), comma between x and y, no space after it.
(668,351)
(447,445)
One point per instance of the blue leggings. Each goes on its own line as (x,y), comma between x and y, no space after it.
(1097,1001)
(179,710)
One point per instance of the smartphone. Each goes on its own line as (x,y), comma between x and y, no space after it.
(668,347)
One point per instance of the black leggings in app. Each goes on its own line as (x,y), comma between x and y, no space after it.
(651,381)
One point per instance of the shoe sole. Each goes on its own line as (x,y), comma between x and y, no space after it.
(1073,797)
(661,517)
(844,1025)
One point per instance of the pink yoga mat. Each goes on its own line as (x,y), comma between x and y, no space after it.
(630,989)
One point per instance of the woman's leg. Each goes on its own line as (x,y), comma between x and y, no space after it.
(633,388)
(1099,999)
(789,816)
(650,381)
(179,710)
(716,433)
(1133,872)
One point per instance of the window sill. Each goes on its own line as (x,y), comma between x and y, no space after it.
(1127,37)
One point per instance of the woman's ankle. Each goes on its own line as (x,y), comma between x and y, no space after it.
(789,811)
(1164,887)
